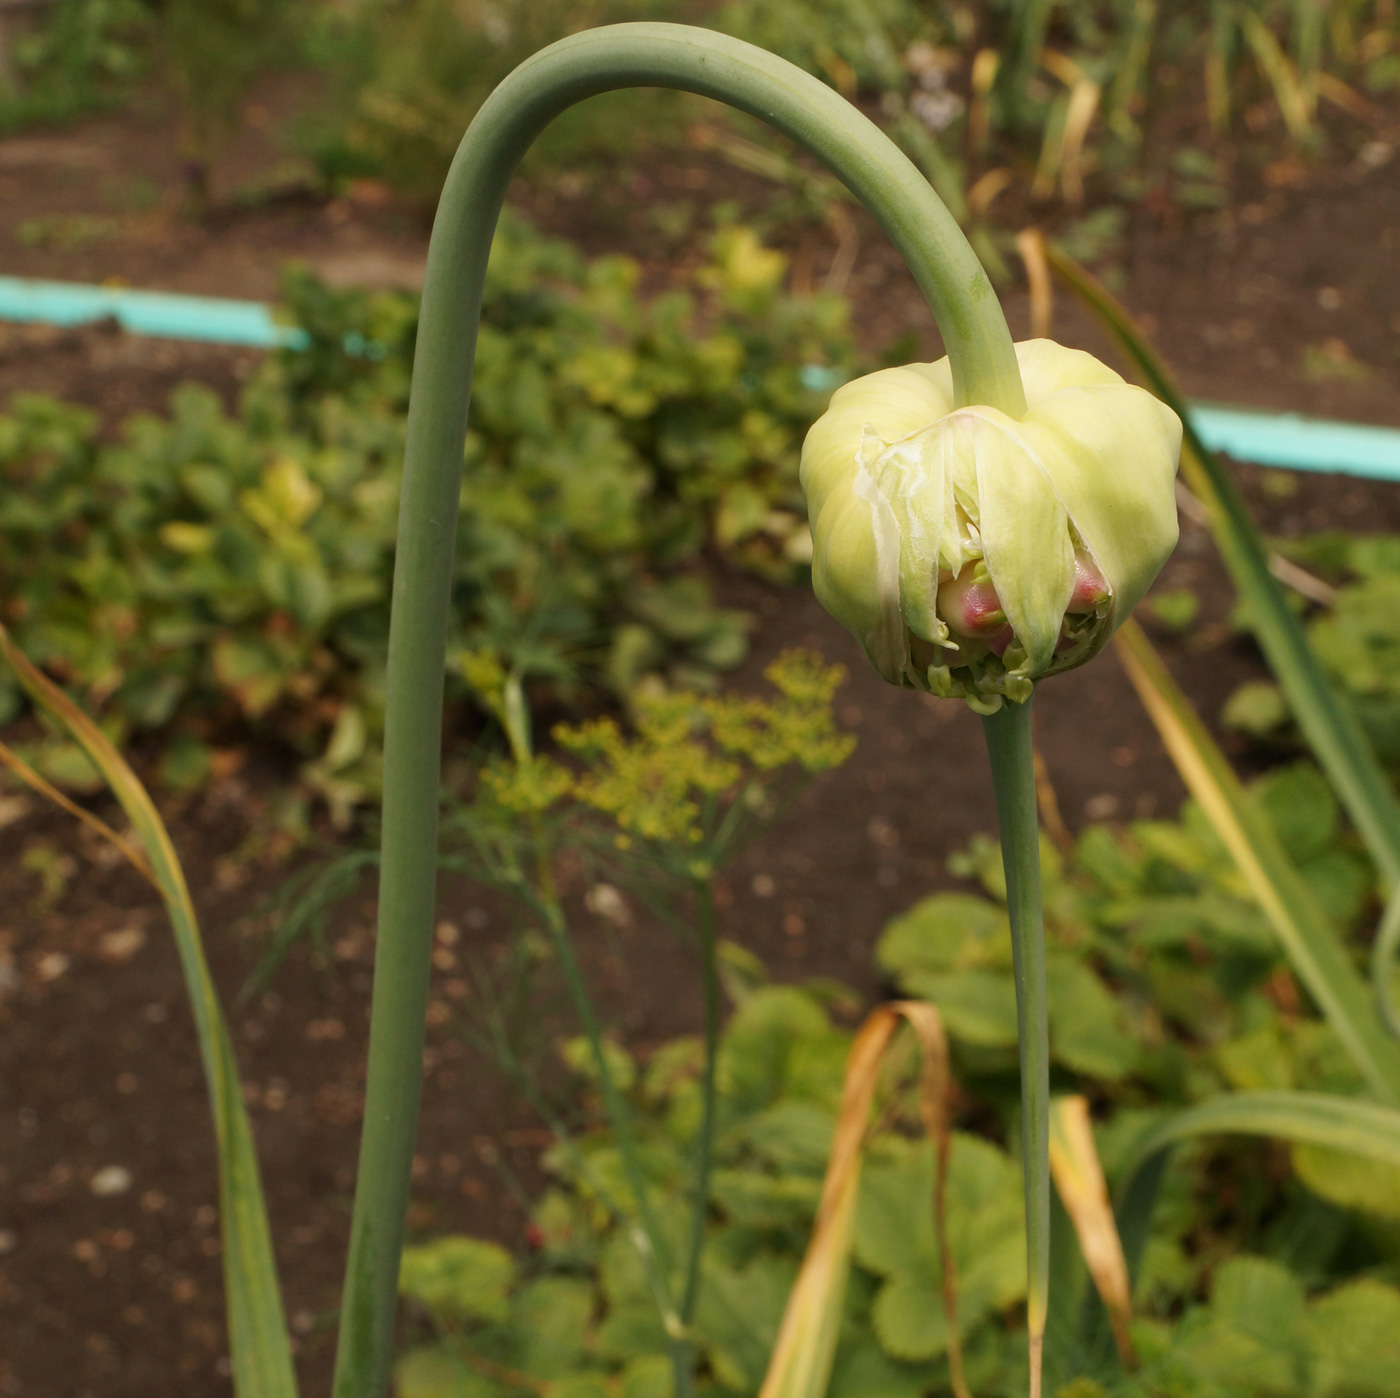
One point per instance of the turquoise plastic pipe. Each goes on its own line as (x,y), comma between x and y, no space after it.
(1269,439)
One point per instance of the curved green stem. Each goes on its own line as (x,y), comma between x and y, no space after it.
(1008,733)
(984,371)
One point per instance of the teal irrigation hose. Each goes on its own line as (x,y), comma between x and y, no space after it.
(1247,434)
(984,371)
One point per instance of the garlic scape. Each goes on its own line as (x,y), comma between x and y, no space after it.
(972,553)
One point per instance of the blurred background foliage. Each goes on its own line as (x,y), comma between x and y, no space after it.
(206,568)
(1054,100)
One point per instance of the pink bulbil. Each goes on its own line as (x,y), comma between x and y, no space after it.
(973,609)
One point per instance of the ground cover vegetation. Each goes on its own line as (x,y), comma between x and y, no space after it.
(211,573)
(207,567)
(1168,989)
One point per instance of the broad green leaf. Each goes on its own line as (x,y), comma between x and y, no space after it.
(458,1278)
(1261,1298)
(1085,1022)
(894,1226)
(791,1135)
(946,932)
(894,1238)
(765,1201)
(652,1376)
(580,1386)
(631,1331)
(1355,1342)
(551,1316)
(1259,1061)
(909,1319)
(864,1370)
(1301,808)
(1343,1178)
(977,1006)
(1252,1338)
(738,1316)
(435,1371)
(762,1041)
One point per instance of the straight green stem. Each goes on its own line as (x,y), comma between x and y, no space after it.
(705,1139)
(652,1245)
(984,371)
(1008,734)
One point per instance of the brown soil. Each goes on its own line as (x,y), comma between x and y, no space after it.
(118,1293)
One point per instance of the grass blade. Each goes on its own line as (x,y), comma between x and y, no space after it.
(1327,721)
(1360,1128)
(1078,1176)
(1309,940)
(800,1366)
(259,1346)
(1365,1129)
(134,856)
(1295,102)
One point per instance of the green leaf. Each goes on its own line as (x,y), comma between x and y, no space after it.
(946,932)
(632,1331)
(792,1135)
(864,1370)
(977,1006)
(894,1238)
(760,1050)
(458,1277)
(1301,808)
(738,1315)
(909,1319)
(435,1371)
(1257,708)
(894,1222)
(1085,1022)
(1343,1178)
(1253,1337)
(1259,1061)
(551,1317)
(1355,1342)
(650,1377)
(757,1200)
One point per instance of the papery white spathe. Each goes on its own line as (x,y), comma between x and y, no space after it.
(1062,518)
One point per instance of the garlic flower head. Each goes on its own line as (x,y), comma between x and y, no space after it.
(972,554)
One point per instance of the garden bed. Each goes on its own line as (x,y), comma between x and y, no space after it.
(109,1280)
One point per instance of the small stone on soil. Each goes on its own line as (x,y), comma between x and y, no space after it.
(110,1180)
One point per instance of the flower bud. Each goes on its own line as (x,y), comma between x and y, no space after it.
(972,553)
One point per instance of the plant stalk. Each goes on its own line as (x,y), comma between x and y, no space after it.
(984,370)
(1008,734)
(651,1245)
(705,1140)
